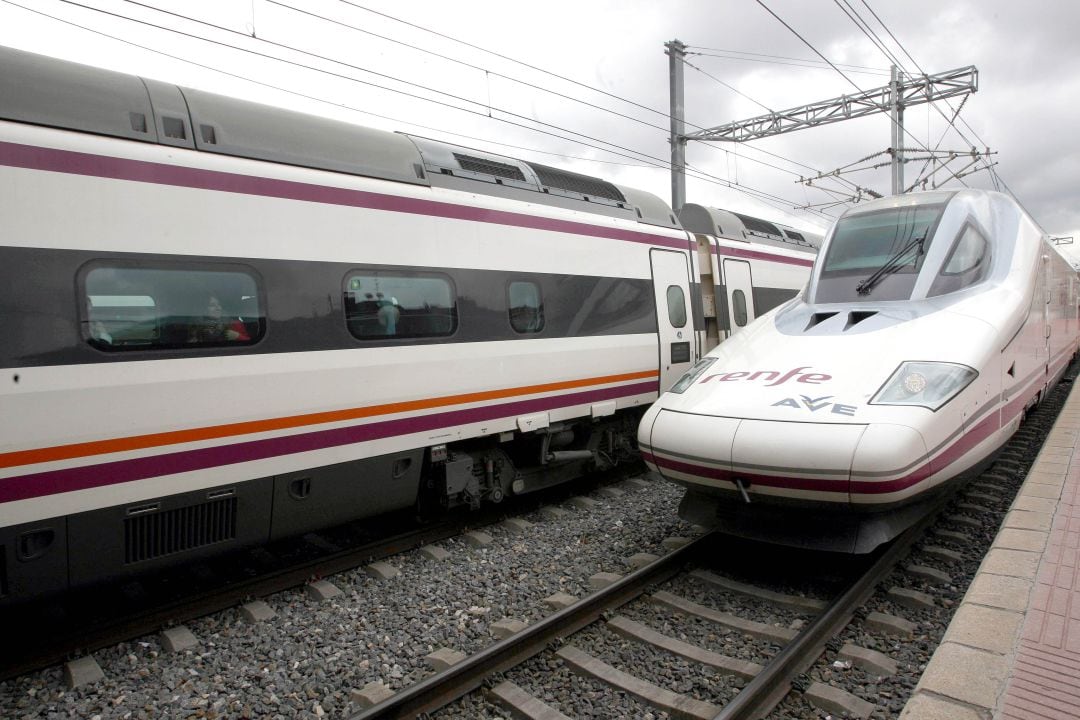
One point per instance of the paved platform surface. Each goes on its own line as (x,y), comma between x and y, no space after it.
(1012,651)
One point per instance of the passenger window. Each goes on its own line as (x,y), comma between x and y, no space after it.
(526,307)
(382,304)
(738,303)
(140,308)
(967,263)
(676,306)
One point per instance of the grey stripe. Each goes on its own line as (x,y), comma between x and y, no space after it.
(43,300)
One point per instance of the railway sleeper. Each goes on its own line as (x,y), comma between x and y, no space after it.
(680,706)
(521,704)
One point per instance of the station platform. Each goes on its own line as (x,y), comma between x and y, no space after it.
(1012,650)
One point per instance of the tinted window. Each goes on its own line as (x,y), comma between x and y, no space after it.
(864,243)
(738,305)
(381,304)
(967,263)
(676,306)
(526,307)
(140,308)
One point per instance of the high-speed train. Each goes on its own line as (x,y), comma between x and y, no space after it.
(225,324)
(930,324)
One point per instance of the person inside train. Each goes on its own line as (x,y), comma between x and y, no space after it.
(98,332)
(388,314)
(214,328)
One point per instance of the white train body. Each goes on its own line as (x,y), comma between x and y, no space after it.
(398,323)
(831,420)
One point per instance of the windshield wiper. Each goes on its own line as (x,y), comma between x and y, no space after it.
(891,265)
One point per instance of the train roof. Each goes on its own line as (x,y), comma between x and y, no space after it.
(923,197)
(737,226)
(46,91)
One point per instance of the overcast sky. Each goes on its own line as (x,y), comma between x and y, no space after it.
(584,85)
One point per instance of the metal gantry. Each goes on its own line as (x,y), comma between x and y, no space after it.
(892,98)
(900,93)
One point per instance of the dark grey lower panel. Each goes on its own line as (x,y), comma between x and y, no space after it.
(48,557)
(336,494)
(33,559)
(129,539)
(831,530)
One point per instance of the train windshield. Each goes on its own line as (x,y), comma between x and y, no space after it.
(878,255)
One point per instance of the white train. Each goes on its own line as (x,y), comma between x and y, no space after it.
(226,323)
(930,324)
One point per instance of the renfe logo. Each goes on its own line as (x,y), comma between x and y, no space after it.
(772,377)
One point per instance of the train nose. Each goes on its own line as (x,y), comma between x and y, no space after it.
(828,462)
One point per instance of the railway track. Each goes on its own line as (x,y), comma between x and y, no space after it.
(904,575)
(765,684)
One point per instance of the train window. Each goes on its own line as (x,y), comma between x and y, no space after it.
(676,306)
(381,304)
(526,307)
(877,255)
(149,308)
(738,305)
(966,264)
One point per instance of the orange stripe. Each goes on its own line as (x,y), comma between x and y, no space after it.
(139,442)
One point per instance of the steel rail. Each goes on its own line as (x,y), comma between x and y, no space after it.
(774,682)
(447,686)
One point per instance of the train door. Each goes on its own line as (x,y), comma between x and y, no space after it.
(740,294)
(671,286)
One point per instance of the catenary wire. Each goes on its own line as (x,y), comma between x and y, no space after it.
(833,66)
(321,57)
(350,78)
(656,164)
(952,124)
(847,9)
(287,90)
(502,57)
(542,70)
(494,73)
(553,74)
(781,62)
(766,57)
(556,75)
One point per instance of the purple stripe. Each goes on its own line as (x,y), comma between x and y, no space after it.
(82,478)
(778,481)
(758,255)
(77,163)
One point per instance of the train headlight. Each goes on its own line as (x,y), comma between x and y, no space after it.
(914,383)
(692,374)
(927,384)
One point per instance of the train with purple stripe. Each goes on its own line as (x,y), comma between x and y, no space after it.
(226,324)
(932,322)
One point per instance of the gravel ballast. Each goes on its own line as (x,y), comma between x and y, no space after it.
(305,661)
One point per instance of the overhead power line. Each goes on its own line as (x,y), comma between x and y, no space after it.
(385,76)
(833,66)
(504,57)
(457,61)
(649,161)
(865,29)
(779,59)
(952,123)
